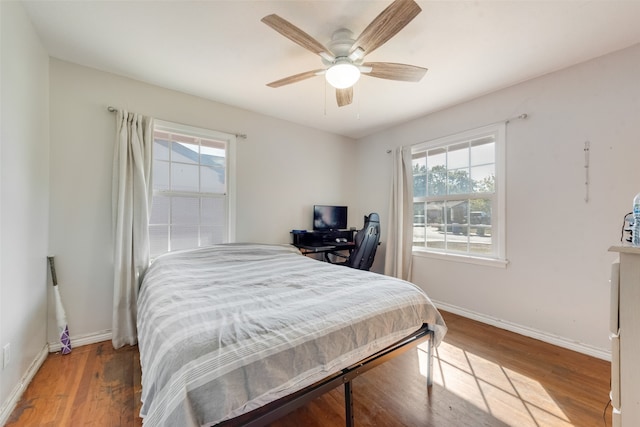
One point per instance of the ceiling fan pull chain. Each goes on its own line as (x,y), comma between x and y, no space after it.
(360,94)
(325,98)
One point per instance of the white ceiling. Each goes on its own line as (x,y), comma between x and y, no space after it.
(221,51)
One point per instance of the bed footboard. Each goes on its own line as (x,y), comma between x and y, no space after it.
(279,408)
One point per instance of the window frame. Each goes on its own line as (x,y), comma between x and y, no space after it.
(498,216)
(229,195)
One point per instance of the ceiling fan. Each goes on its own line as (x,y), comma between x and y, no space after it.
(344,58)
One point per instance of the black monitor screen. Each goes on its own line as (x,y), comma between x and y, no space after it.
(329,217)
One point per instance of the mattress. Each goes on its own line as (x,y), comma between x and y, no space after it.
(226,329)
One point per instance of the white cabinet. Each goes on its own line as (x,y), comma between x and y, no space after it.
(625,337)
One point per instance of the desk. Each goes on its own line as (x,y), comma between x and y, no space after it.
(323,242)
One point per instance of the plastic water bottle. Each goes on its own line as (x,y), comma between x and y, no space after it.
(636,221)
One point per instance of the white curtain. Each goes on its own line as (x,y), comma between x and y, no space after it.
(400,224)
(131,204)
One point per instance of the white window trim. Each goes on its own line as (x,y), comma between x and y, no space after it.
(230,170)
(457,257)
(499,213)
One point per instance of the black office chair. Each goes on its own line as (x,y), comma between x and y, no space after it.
(366,242)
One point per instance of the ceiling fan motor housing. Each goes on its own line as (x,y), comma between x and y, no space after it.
(340,46)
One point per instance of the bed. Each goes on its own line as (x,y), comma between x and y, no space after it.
(229,330)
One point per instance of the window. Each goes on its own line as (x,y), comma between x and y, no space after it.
(192,188)
(458,194)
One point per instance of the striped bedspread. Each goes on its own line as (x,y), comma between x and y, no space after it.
(226,329)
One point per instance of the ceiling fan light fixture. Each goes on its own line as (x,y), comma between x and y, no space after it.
(342,74)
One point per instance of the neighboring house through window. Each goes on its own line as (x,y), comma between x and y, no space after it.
(192,188)
(458,194)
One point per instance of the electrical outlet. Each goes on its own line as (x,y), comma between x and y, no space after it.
(6,355)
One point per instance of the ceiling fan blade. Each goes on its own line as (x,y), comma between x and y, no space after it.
(387,24)
(344,96)
(296,35)
(296,78)
(392,71)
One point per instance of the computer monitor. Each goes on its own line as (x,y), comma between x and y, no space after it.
(327,217)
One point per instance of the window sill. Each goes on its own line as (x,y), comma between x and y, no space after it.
(490,262)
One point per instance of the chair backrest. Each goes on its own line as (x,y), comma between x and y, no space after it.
(366,243)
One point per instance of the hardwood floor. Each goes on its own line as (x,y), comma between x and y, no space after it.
(484,376)
(94,385)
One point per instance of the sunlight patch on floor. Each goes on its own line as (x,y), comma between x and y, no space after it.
(507,395)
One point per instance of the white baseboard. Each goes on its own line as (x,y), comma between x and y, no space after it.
(528,332)
(9,405)
(80,340)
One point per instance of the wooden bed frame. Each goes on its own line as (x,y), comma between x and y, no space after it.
(279,408)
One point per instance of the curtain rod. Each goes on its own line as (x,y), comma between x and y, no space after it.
(237,135)
(505,121)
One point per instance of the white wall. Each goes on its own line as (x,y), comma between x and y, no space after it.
(282,170)
(556,282)
(24,197)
